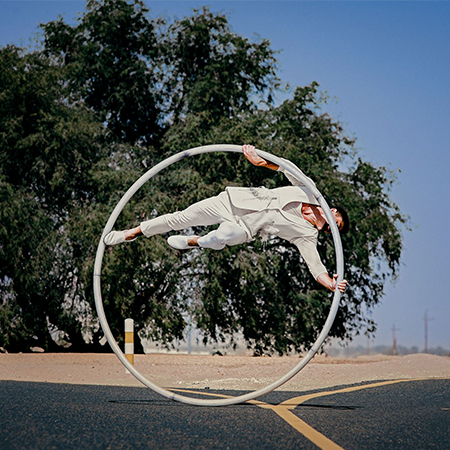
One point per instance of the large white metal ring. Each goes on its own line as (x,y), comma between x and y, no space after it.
(291,168)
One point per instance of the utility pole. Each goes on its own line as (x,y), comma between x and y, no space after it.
(394,340)
(426,319)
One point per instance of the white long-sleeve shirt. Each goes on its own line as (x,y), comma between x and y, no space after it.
(278,211)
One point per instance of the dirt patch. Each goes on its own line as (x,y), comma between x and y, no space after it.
(219,372)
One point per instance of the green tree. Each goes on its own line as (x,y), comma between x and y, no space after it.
(111,96)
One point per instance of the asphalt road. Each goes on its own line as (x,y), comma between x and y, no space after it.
(387,415)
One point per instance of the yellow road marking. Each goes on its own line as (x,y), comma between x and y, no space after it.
(298,424)
(283,410)
(302,427)
(294,402)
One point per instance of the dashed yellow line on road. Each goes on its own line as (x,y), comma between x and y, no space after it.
(284,409)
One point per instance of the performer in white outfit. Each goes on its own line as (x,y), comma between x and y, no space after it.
(291,212)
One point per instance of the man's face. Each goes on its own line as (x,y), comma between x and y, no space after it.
(339,222)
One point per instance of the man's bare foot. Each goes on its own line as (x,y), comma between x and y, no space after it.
(181,242)
(133,233)
(193,241)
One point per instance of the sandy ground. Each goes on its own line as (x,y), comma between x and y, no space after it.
(218,372)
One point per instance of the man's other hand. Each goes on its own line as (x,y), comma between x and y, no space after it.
(250,153)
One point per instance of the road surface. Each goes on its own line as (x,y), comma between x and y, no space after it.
(410,414)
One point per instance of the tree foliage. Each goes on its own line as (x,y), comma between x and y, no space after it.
(82,118)
(213,70)
(109,62)
(46,152)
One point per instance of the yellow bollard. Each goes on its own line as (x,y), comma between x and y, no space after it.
(129,340)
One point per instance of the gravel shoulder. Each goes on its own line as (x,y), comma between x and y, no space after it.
(218,372)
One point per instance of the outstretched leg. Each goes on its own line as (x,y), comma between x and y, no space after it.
(214,210)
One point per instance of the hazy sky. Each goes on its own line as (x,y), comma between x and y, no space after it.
(388,66)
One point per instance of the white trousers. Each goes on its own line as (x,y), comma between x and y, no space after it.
(211,211)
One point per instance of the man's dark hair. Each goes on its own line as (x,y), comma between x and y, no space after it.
(345,219)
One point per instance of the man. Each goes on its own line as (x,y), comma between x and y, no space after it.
(290,212)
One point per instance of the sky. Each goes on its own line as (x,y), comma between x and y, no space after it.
(386,67)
